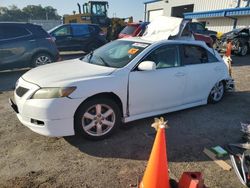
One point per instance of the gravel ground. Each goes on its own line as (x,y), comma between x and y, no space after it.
(30,160)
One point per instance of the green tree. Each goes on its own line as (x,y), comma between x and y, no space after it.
(35,12)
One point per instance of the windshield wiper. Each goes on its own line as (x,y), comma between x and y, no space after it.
(90,55)
(103,61)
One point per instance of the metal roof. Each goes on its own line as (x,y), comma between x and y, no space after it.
(241,11)
(150,1)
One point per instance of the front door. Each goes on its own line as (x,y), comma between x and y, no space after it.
(160,89)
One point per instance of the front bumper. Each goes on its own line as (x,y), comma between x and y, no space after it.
(49,117)
(230,85)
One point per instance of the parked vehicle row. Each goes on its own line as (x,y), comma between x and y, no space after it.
(28,45)
(240,38)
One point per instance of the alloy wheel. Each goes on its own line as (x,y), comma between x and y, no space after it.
(217,91)
(98,120)
(42,60)
(244,50)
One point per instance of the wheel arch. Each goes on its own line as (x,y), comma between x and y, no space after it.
(224,81)
(109,95)
(42,51)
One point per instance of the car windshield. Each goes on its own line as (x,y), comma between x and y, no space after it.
(115,54)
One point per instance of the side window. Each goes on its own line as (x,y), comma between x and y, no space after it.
(94,30)
(79,30)
(197,55)
(192,26)
(212,58)
(63,31)
(165,57)
(199,27)
(9,32)
(186,32)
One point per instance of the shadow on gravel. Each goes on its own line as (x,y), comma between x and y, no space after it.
(9,78)
(241,61)
(210,125)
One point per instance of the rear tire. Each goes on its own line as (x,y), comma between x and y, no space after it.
(216,93)
(97,118)
(41,59)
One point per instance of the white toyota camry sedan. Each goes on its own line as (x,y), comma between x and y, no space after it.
(123,81)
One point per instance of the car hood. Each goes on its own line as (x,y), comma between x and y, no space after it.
(65,72)
(163,27)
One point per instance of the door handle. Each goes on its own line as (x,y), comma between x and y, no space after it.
(32,40)
(69,37)
(180,74)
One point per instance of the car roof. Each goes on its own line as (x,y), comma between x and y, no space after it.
(138,23)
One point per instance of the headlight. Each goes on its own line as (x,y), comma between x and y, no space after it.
(48,93)
(16,83)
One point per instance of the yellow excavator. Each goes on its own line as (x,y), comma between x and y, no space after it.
(95,12)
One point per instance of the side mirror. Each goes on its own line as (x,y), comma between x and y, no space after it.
(206,29)
(147,66)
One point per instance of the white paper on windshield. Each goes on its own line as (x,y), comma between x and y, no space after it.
(162,28)
(142,45)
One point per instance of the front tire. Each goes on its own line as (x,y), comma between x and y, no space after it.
(97,118)
(216,93)
(243,50)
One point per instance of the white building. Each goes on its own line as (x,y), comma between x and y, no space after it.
(218,15)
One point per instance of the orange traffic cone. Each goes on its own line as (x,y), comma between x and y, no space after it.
(156,174)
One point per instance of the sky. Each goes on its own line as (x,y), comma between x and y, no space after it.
(120,8)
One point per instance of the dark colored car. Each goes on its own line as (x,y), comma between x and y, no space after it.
(133,30)
(199,28)
(240,39)
(74,37)
(189,30)
(25,45)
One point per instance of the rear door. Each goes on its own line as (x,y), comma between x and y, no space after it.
(81,36)
(203,71)
(15,44)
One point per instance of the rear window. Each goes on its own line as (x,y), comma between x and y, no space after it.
(11,31)
(79,30)
(129,30)
(197,55)
(39,31)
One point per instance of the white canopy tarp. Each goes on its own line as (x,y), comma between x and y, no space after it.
(162,28)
